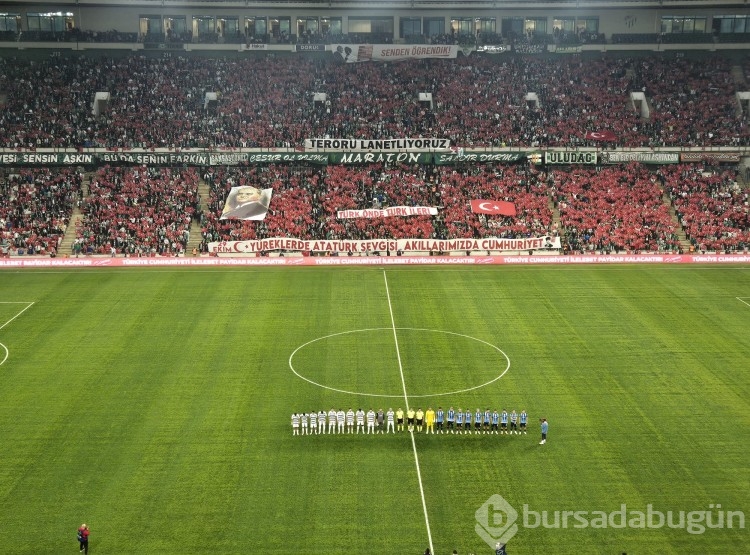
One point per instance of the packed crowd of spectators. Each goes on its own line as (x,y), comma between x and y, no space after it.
(292,211)
(613,209)
(602,209)
(36,208)
(138,211)
(680,89)
(267,102)
(517,184)
(478,101)
(306,202)
(141,211)
(711,206)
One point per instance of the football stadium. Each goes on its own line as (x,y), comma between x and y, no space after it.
(396,277)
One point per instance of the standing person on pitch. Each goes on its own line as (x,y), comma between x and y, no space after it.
(314,423)
(495,421)
(370,421)
(420,419)
(389,418)
(439,417)
(451,418)
(83,538)
(459,420)
(545,427)
(322,422)
(523,418)
(380,416)
(350,421)
(360,420)
(410,418)
(332,421)
(400,419)
(429,419)
(340,420)
(295,424)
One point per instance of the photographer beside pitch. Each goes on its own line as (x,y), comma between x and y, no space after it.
(83,538)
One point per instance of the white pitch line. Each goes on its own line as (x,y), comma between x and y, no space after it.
(29,305)
(406,400)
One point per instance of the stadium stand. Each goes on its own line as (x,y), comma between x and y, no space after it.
(711,206)
(480,102)
(139,211)
(158,102)
(613,209)
(36,209)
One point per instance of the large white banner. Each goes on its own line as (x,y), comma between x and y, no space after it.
(388,212)
(383,245)
(246,203)
(377,145)
(350,53)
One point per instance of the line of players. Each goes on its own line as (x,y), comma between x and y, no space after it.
(440,421)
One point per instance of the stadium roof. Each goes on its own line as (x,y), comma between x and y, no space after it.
(355,4)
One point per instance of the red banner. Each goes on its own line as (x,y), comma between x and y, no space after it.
(493,207)
(601,135)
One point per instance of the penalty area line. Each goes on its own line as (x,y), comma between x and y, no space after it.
(406,400)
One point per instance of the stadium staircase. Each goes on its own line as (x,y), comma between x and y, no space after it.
(738,74)
(66,247)
(685,243)
(555,213)
(195,225)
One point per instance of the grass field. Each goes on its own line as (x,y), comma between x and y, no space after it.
(155,406)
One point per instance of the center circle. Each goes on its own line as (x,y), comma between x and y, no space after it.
(394,333)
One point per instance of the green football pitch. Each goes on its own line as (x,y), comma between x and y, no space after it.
(155,406)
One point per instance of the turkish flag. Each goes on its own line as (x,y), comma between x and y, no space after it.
(493,207)
(605,135)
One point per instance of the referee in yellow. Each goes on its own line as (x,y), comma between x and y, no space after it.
(429,420)
(400,420)
(420,419)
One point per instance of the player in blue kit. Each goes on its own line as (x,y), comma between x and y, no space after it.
(523,417)
(439,418)
(451,418)
(467,421)
(513,422)
(504,422)
(495,421)
(459,420)
(486,421)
